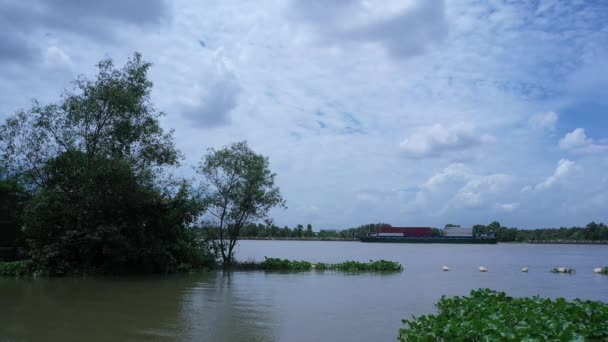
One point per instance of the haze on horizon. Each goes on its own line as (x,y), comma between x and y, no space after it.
(420,112)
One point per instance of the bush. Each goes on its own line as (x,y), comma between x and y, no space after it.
(488,315)
(15,268)
(104,219)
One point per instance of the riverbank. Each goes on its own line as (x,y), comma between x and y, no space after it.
(567,242)
(545,242)
(297,239)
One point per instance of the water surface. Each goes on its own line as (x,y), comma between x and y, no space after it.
(310,306)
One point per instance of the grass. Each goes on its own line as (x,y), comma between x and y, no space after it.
(488,315)
(15,268)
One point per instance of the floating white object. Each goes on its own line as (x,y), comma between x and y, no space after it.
(561,269)
(482,269)
(445,268)
(525,269)
(597,270)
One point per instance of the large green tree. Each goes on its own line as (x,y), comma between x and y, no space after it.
(12,202)
(109,116)
(241,189)
(93,163)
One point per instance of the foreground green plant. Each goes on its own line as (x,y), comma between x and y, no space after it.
(15,268)
(488,315)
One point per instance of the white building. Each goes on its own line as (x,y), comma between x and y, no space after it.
(458,231)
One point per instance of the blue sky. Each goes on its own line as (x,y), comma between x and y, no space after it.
(407,112)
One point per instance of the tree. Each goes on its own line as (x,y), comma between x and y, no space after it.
(241,189)
(93,164)
(12,201)
(308,232)
(110,116)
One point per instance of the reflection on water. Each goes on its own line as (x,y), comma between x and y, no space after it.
(309,306)
(183,307)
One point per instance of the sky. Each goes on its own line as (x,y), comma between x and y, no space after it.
(411,112)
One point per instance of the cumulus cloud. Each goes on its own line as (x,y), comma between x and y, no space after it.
(214,105)
(543,121)
(472,194)
(507,207)
(458,187)
(563,170)
(577,141)
(25,23)
(437,140)
(403,31)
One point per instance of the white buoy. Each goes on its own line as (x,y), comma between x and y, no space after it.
(482,269)
(525,269)
(445,268)
(597,270)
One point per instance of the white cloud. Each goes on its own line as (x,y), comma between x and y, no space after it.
(473,193)
(377,70)
(577,141)
(507,207)
(564,169)
(404,29)
(436,140)
(543,121)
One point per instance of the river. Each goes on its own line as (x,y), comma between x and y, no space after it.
(310,306)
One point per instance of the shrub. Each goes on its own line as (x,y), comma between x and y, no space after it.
(15,268)
(488,315)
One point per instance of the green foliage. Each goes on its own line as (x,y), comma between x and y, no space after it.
(93,164)
(604,270)
(276,264)
(12,201)
(488,315)
(592,232)
(15,268)
(372,266)
(241,189)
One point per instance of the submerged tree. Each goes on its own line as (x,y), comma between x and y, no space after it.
(241,189)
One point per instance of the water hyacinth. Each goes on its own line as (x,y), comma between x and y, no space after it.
(488,315)
(276,264)
(563,270)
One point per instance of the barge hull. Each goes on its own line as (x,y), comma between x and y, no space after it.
(391,239)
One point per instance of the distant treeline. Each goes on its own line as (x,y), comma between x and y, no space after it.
(301,232)
(591,232)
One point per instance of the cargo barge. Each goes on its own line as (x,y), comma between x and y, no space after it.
(456,235)
(439,239)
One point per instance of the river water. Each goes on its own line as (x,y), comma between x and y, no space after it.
(310,306)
